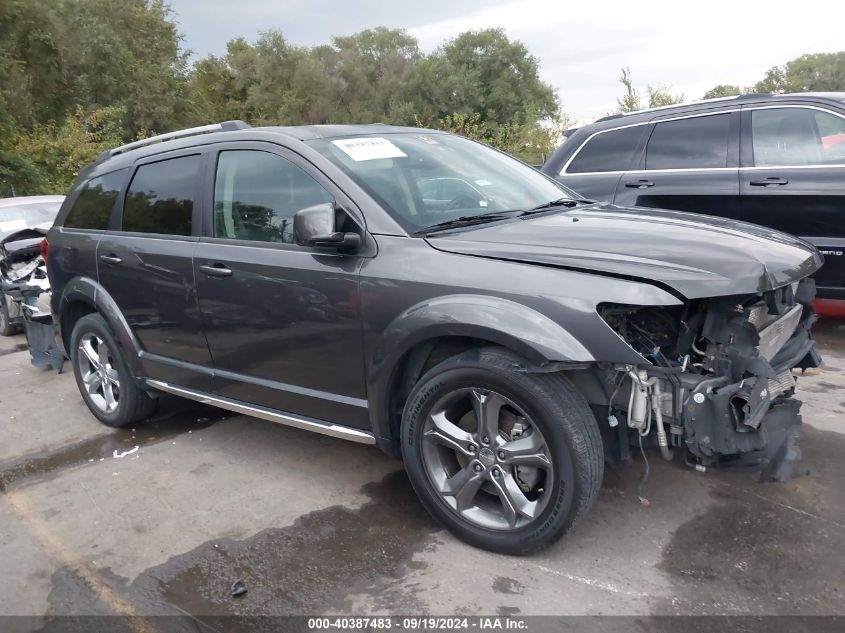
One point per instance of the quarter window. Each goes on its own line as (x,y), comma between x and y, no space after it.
(607,151)
(160,198)
(797,136)
(694,143)
(93,207)
(256,195)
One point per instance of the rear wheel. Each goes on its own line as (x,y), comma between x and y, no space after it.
(103,377)
(505,459)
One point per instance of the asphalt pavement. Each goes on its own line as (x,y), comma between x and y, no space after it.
(315,525)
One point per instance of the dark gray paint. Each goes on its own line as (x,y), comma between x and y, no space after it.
(810,203)
(321,333)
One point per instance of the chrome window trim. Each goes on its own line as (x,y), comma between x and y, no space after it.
(786,106)
(703,169)
(563,171)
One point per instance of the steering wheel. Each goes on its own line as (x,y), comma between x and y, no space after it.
(461,201)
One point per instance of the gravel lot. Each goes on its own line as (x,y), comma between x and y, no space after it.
(317,525)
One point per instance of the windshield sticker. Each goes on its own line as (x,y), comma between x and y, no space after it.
(12,225)
(360,149)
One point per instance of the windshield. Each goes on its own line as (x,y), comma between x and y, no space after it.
(427,179)
(27,215)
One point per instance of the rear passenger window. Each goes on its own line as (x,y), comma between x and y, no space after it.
(607,151)
(256,195)
(695,143)
(160,198)
(93,207)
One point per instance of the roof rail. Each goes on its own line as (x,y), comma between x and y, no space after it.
(225,126)
(746,95)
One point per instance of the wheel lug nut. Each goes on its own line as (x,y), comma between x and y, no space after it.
(471,448)
(501,454)
(495,472)
(477,468)
(485,440)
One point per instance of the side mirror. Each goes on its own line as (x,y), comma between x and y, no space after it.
(317,226)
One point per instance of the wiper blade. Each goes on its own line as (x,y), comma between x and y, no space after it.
(560,202)
(465,220)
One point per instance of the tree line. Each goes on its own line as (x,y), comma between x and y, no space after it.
(80,76)
(817,72)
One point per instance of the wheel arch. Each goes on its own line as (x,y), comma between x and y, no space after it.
(83,295)
(437,329)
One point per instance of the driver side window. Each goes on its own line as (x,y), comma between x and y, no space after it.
(256,195)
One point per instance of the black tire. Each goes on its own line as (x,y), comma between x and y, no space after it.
(553,405)
(7,328)
(132,403)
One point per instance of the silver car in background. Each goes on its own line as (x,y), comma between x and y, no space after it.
(23,223)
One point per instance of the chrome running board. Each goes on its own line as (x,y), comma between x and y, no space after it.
(288,419)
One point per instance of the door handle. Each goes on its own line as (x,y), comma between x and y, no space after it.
(639,184)
(112,259)
(216,270)
(769,182)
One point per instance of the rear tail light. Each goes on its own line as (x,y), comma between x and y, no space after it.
(44,247)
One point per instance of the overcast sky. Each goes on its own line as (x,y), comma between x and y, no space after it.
(687,46)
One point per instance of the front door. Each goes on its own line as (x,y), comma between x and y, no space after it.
(146,266)
(282,321)
(689,164)
(793,179)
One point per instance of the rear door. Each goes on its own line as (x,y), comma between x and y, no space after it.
(689,164)
(145,264)
(282,320)
(593,171)
(793,179)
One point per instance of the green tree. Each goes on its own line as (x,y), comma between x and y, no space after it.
(127,53)
(18,175)
(377,69)
(530,141)
(56,154)
(485,72)
(814,72)
(33,73)
(630,100)
(722,90)
(659,96)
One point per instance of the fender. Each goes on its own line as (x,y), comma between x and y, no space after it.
(88,291)
(515,326)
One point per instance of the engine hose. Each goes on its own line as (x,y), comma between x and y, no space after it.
(662,440)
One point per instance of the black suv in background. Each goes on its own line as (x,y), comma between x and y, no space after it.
(430,295)
(774,160)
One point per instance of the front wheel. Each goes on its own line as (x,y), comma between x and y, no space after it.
(507,460)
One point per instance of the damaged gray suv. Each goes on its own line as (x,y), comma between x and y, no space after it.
(427,294)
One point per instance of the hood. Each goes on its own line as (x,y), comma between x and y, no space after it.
(695,255)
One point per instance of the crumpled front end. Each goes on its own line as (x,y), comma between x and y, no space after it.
(720,385)
(25,289)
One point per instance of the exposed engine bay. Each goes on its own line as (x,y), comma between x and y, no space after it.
(720,386)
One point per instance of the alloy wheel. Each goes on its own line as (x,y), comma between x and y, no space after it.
(487,459)
(99,374)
